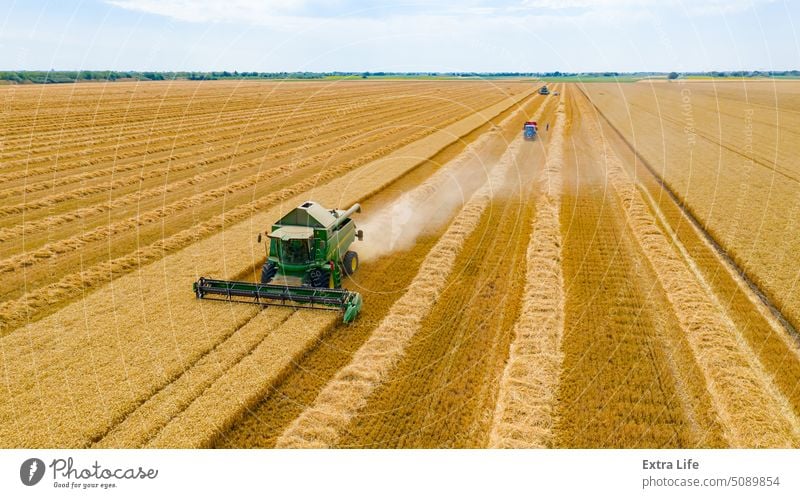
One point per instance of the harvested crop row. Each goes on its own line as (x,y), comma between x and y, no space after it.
(142,425)
(524,416)
(97,352)
(731,169)
(160,122)
(188,102)
(292,142)
(247,138)
(322,424)
(443,390)
(628,379)
(140,162)
(199,112)
(73,149)
(97,190)
(151,140)
(381,281)
(752,410)
(43,300)
(777,348)
(139,218)
(161,189)
(202,422)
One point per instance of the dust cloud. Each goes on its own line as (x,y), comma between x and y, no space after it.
(397,226)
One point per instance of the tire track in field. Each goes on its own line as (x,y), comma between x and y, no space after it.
(173,160)
(41,301)
(165,315)
(129,161)
(76,242)
(177,124)
(525,411)
(31,227)
(323,424)
(381,282)
(752,410)
(194,427)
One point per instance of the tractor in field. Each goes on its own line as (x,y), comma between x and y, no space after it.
(529,130)
(308,256)
(544,91)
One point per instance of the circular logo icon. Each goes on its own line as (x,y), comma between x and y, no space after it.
(31,471)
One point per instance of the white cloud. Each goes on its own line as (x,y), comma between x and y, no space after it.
(296,12)
(248,11)
(440,35)
(692,7)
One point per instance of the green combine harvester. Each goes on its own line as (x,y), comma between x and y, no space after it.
(308,257)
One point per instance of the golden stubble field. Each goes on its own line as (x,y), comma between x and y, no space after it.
(598,287)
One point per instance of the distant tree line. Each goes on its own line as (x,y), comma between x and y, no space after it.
(75,76)
(40,77)
(738,74)
(79,76)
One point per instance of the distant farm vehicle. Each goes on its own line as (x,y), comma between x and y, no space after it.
(308,256)
(529,130)
(544,91)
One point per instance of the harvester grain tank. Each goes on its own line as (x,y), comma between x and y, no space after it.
(308,256)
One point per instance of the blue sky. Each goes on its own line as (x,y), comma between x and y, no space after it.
(438,35)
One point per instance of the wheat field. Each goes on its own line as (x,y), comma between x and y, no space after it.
(626,280)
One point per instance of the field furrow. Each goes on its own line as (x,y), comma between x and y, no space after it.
(773,340)
(173,329)
(253,139)
(116,244)
(384,279)
(626,280)
(622,381)
(524,413)
(728,157)
(325,422)
(732,372)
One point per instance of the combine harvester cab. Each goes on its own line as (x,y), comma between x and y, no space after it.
(308,256)
(529,130)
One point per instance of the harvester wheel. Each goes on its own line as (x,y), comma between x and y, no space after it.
(350,262)
(268,271)
(318,278)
